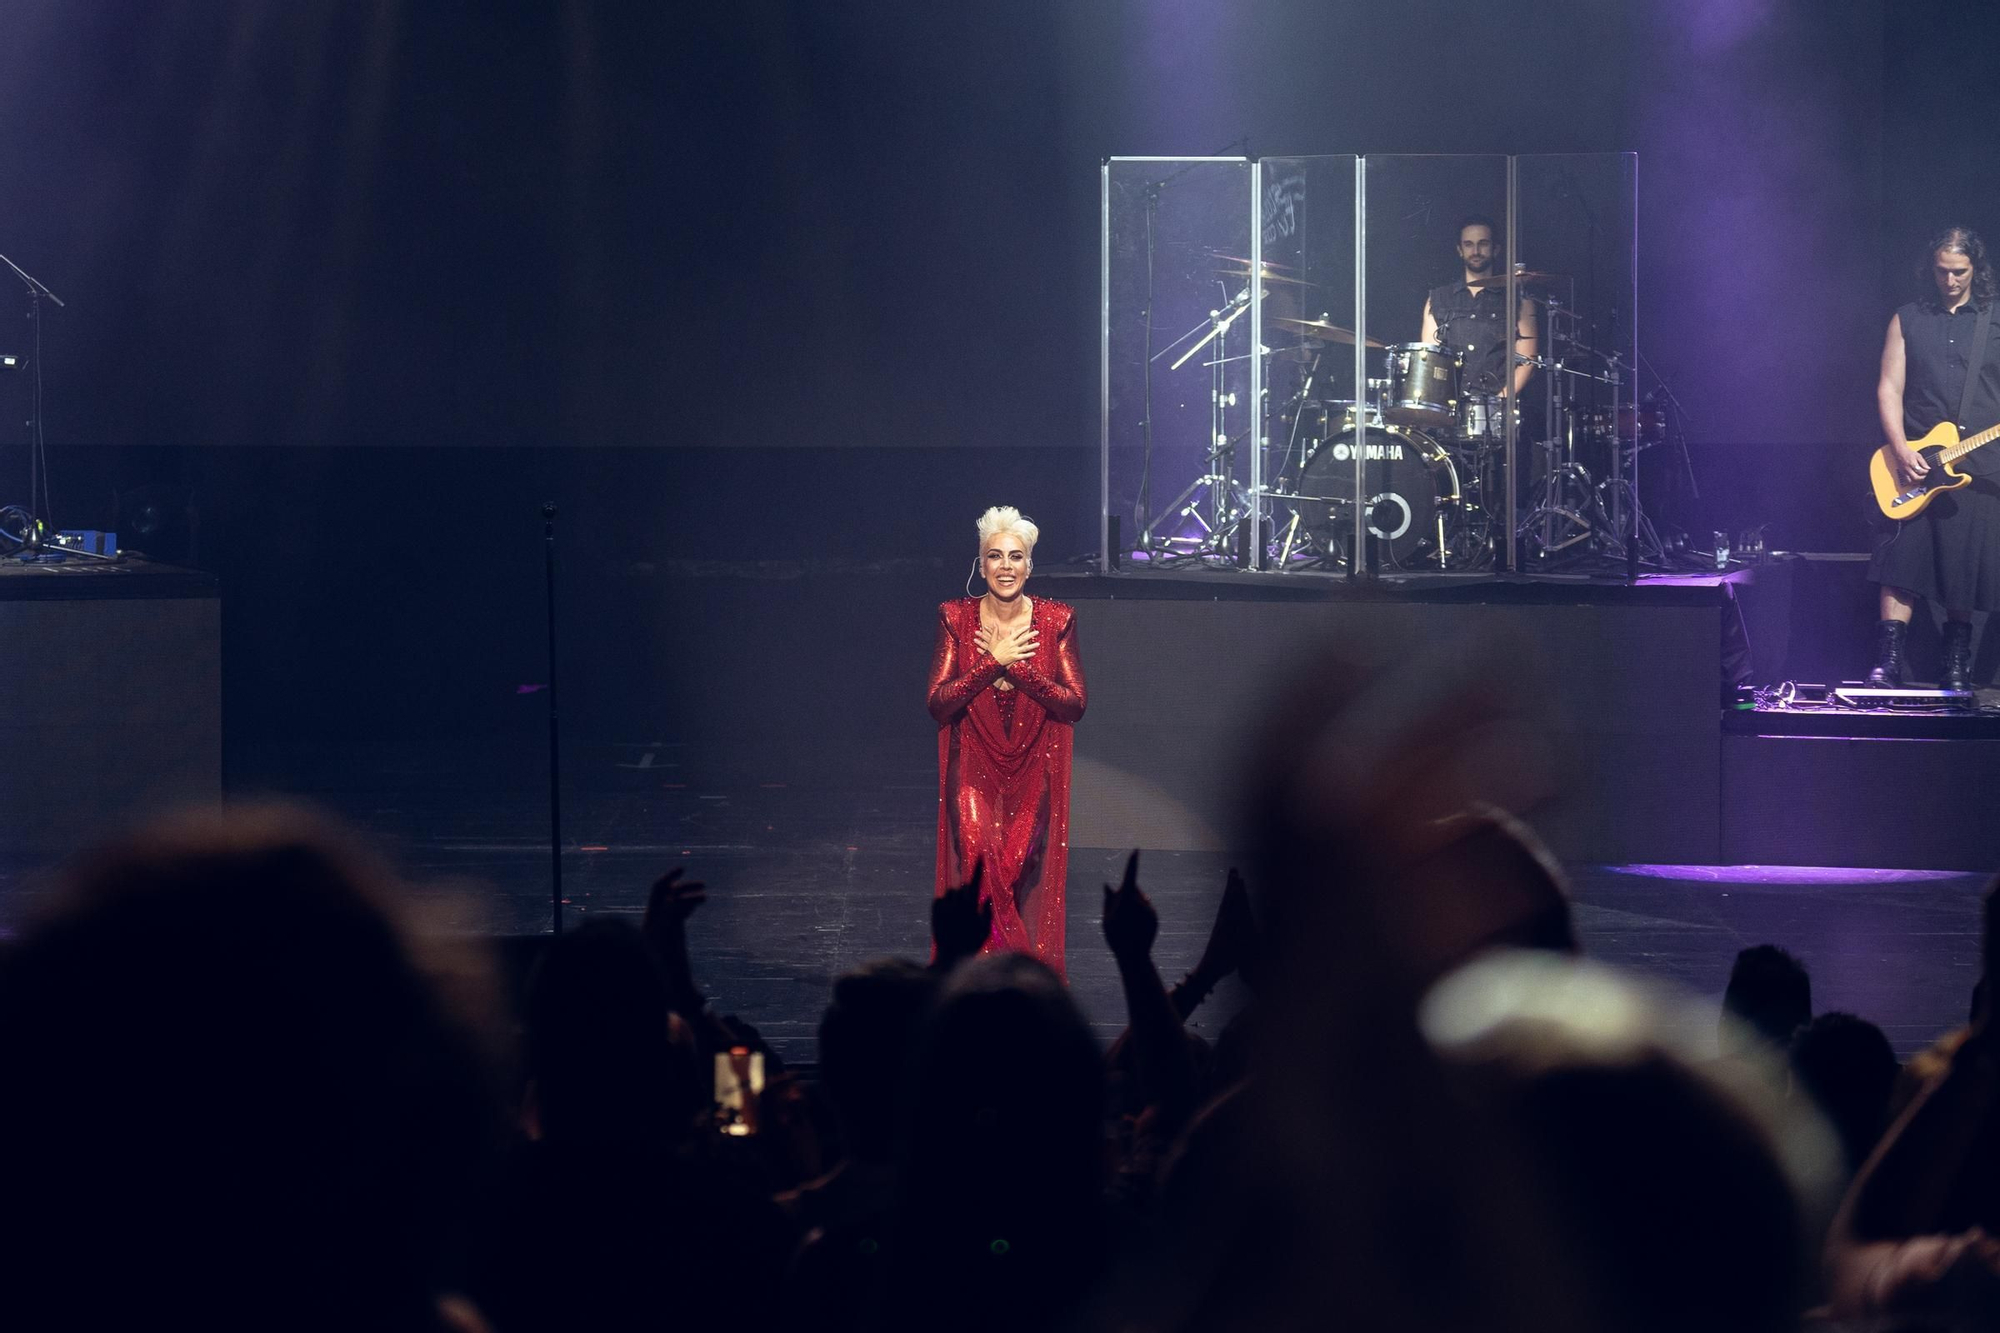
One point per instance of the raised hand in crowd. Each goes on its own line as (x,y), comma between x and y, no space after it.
(1232,944)
(961,921)
(1959,1274)
(1130,923)
(672,901)
(1166,1070)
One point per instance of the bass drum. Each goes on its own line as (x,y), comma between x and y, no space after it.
(1412,491)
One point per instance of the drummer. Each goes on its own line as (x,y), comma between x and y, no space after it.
(1465,316)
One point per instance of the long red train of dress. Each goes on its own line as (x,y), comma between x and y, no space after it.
(1003,771)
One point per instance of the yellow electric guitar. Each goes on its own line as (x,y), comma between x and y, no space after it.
(1941,448)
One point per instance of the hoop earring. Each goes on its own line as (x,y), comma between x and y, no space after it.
(970,577)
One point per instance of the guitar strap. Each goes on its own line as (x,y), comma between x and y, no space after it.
(1975,362)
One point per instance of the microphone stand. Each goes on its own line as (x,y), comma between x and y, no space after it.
(555,735)
(1680,421)
(38,466)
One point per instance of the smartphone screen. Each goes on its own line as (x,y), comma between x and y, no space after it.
(739,1080)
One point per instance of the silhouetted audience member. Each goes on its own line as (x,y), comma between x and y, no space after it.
(652,1232)
(1671,1200)
(864,1050)
(1846,1065)
(1769,994)
(865,1045)
(240,1092)
(1495,860)
(999,1216)
(609,1069)
(1919,1232)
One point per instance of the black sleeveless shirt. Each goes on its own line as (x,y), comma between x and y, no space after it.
(1473,324)
(1936,344)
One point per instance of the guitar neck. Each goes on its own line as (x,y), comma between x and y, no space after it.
(1971,442)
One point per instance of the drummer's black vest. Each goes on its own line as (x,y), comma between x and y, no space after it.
(1471,325)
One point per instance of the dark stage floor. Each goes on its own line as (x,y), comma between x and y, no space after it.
(812,871)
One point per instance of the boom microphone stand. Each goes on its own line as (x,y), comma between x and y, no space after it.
(38,464)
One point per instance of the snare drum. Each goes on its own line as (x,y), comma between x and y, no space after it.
(1480,418)
(1423,385)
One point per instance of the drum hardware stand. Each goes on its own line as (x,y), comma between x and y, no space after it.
(1569,492)
(1575,504)
(1297,405)
(1228,501)
(1291,537)
(1152,192)
(1277,490)
(1673,435)
(1643,541)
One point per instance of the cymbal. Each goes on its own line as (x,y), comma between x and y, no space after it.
(1523,277)
(1322,330)
(1240,268)
(1239,259)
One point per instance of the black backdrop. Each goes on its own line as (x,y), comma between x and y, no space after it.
(355,284)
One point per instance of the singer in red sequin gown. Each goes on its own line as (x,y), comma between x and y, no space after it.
(1003,770)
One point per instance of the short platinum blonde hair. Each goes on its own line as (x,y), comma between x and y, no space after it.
(1006,518)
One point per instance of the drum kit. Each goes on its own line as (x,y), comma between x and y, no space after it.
(1433,479)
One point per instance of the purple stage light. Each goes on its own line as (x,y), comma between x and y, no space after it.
(1783,874)
(1717,25)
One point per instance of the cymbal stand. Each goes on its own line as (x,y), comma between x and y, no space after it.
(1570,510)
(1638,540)
(1228,501)
(1644,543)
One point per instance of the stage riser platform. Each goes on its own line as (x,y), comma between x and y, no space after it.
(1855,801)
(110,709)
(1626,683)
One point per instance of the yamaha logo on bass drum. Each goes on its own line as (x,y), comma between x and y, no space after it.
(1374,453)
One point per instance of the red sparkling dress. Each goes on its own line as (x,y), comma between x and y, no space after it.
(1003,771)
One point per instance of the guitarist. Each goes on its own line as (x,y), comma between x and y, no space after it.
(1940,364)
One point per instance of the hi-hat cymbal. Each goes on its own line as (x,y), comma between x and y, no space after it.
(1322,330)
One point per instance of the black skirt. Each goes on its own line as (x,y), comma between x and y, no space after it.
(1950,553)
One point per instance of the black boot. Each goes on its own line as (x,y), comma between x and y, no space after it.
(1888,668)
(1957,671)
